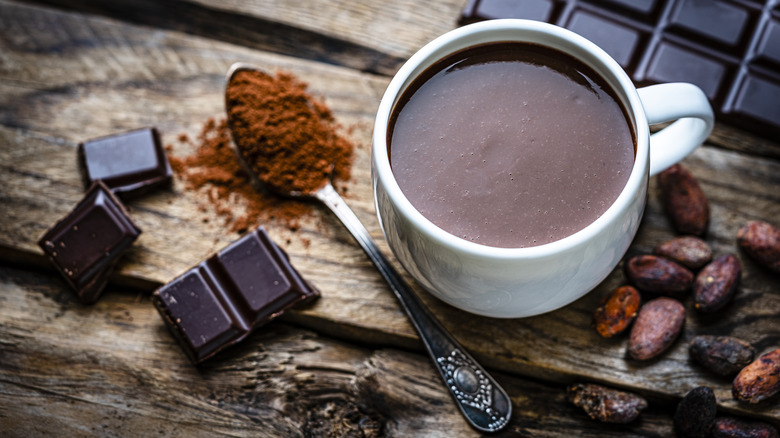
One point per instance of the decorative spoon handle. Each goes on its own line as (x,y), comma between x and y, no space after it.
(482,401)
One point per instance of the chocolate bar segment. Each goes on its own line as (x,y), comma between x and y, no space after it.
(129,163)
(85,244)
(477,10)
(220,301)
(193,310)
(729,48)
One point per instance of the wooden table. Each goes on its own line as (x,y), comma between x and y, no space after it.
(351,364)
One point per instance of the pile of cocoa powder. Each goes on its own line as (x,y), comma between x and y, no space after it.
(288,139)
(276,112)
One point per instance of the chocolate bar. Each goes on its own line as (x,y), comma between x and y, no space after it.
(221,300)
(85,245)
(129,163)
(729,48)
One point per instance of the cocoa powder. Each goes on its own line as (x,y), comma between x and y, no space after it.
(215,171)
(289,139)
(294,145)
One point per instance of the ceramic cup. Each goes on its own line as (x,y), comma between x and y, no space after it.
(520,282)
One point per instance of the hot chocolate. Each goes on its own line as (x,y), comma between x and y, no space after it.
(510,145)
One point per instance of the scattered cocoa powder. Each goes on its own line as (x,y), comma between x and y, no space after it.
(288,138)
(214,170)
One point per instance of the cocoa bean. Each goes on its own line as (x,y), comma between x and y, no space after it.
(759,380)
(656,327)
(717,283)
(684,201)
(727,427)
(616,311)
(723,355)
(761,241)
(695,414)
(689,251)
(606,404)
(651,273)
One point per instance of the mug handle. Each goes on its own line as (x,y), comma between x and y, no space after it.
(691,109)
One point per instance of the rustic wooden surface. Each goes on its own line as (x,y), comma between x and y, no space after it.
(72,70)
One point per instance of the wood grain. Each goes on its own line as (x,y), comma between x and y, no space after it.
(120,373)
(365,35)
(90,76)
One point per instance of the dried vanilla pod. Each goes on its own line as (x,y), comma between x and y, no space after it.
(729,427)
(659,323)
(660,275)
(684,201)
(689,251)
(606,404)
(761,241)
(616,311)
(695,414)
(759,380)
(717,283)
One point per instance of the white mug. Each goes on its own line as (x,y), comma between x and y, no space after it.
(520,282)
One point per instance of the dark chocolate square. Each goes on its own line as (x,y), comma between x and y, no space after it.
(674,63)
(621,42)
(260,281)
(86,243)
(758,98)
(476,10)
(768,49)
(645,7)
(719,23)
(129,163)
(194,312)
(221,300)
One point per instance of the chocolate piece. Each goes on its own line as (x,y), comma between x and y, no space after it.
(130,163)
(223,299)
(730,49)
(86,243)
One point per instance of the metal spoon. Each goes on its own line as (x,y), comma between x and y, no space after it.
(482,401)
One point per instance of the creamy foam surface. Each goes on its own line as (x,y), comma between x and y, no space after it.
(510,145)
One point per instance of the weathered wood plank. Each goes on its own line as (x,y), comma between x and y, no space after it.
(366,35)
(92,76)
(119,372)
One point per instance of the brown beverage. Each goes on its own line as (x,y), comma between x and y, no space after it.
(510,145)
